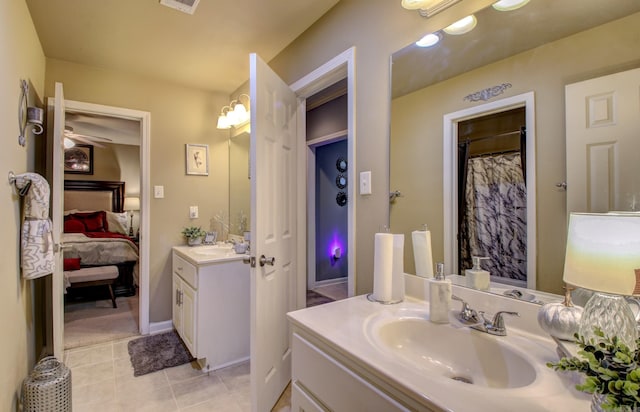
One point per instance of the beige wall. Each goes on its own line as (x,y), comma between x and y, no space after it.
(376,28)
(22,58)
(417,142)
(179,115)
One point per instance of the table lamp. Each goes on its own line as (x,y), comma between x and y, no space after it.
(603,255)
(131,203)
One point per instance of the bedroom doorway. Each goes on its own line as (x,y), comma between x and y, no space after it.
(78,116)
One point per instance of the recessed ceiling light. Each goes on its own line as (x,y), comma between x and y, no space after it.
(462,26)
(508,5)
(429,40)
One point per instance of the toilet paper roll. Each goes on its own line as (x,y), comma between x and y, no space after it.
(383,267)
(422,253)
(397,284)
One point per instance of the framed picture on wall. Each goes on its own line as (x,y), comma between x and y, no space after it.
(197,160)
(79,159)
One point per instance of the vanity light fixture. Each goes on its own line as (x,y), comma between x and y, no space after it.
(603,255)
(462,26)
(234,114)
(68,143)
(429,40)
(508,5)
(428,8)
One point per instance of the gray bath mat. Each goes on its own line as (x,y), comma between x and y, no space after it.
(155,352)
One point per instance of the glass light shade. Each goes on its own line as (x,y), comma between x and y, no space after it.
(68,143)
(508,5)
(462,26)
(223,122)
(603,254)
(240,111)
(131,203)
(417,4)
(429,40)
(232,118)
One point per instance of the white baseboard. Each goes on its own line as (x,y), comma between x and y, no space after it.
(160,327)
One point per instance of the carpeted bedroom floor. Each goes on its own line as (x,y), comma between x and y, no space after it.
(90,322)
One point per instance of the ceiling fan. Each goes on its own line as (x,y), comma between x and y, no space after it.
(70,138)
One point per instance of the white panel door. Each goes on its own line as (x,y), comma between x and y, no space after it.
(273,213)
(603,143)
(57,190)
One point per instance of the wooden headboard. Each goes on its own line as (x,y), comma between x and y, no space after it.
(93,195)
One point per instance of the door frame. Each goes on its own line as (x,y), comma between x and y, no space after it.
(145,139)
(450,175)
(312,145)
(338,68)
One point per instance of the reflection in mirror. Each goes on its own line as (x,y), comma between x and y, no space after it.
(239,184)
(538,49)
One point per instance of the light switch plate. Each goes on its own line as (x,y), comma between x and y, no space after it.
(365,183)
(158,192)
(193,212)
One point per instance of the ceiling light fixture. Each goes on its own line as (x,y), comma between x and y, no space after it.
(428,8)
(462,26)
(234,114)
(508,5)
(429,40)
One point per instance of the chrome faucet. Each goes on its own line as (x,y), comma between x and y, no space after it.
(477,320)
(495,326)
(467,315)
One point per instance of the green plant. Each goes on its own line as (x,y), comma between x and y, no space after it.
(611,369)
(193,232)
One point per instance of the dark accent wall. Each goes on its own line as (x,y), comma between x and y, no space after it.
(331,219)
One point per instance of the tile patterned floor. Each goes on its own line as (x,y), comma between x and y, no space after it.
(102,380)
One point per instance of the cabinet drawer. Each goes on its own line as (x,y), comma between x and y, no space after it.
(185,270)
(334,385)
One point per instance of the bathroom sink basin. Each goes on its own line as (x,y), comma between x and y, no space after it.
(212,251)
(454,352)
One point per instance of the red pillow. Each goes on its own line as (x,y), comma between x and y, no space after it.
(92,221)
(74,226)
(71,263)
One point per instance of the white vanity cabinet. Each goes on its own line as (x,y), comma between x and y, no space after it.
(323,381)
(211,308)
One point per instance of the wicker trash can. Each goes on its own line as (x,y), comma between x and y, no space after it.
(47,388)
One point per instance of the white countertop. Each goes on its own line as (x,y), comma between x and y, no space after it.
(342,326)
(198,256)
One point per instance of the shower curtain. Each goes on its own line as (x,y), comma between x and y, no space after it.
(494,223)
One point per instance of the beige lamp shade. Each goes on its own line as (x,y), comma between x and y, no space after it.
(131,203)
(603,252)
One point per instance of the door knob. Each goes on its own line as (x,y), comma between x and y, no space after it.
(267,260)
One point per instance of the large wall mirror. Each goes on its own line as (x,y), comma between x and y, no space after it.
(534,51)
(239,182)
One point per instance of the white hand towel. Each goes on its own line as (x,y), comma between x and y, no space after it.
(422,253)
(37,258)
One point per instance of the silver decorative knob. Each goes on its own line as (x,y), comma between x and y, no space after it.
(267,260)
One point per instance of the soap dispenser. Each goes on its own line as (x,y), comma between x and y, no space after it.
(439,296)
(477,278)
